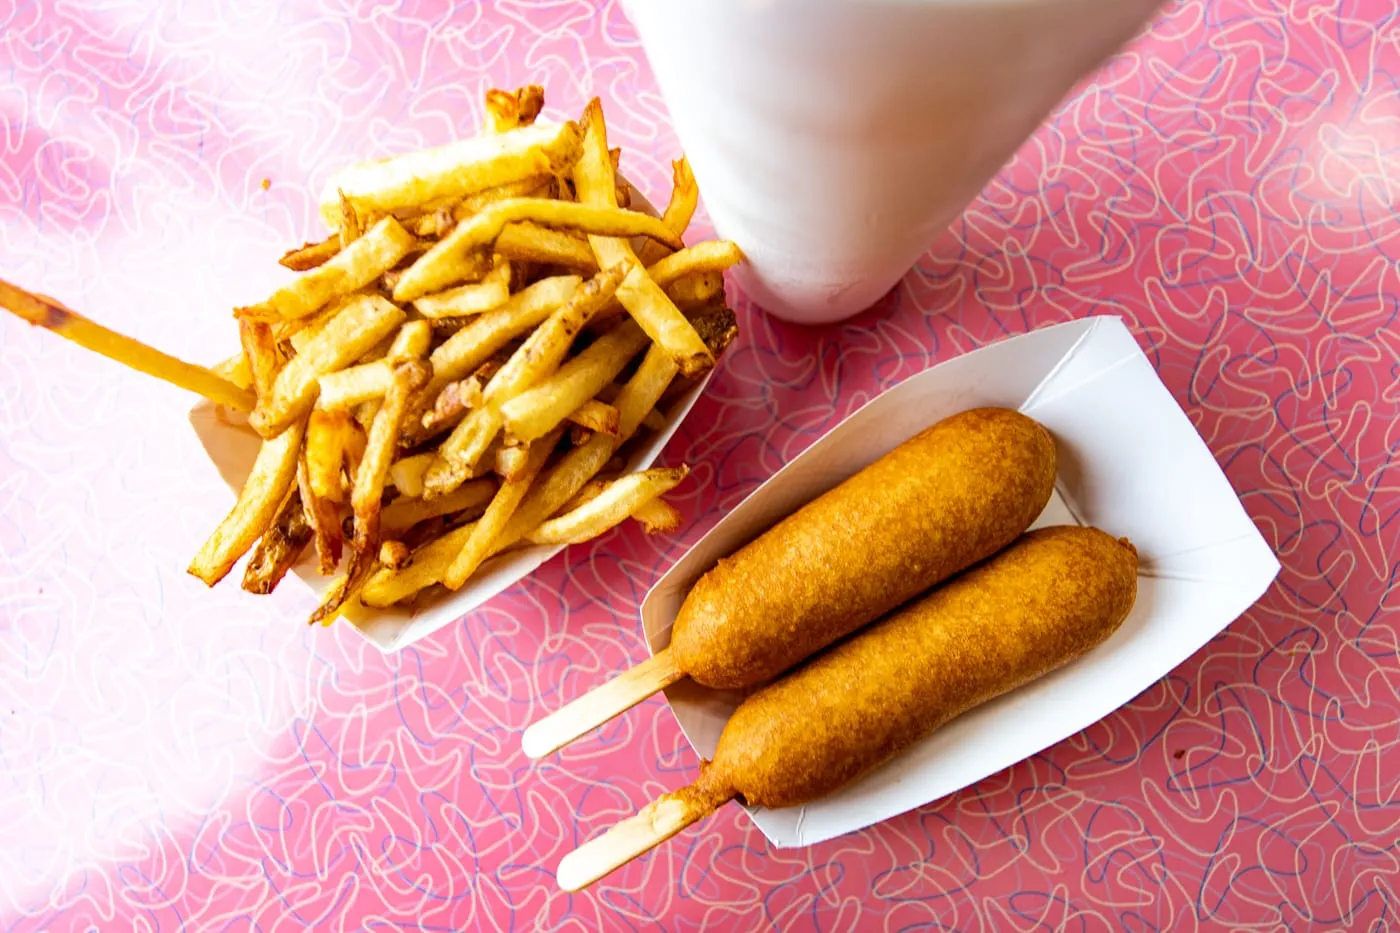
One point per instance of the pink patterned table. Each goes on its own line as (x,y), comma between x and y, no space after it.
(172,758)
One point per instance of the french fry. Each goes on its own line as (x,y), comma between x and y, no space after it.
(411,342)
(323,518)
(235,370)
(260,350)
(272,476)
(350,270)
(407,474)
(696,291)
(527,242)
(310,255)
(596,416)
(685,196)
(710,256)
(537,410)
(279,548)
(481,543)
(425,568)
(465,300)
(579,465)
(453,402)
(332,439)
(50,315)
(435,269)
(486,335)
(643,298)
(366,382)
(350,229)
(403,513)
(507,111)
(653,421)
(457,169)
(536,358)
(361,322)
(302,331)
(393,554)
(658,516)
(409,377)
(441,221)
(611,507)
(365,498)
(511,462)
(579,435)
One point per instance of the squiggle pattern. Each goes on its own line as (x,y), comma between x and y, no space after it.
(172,758)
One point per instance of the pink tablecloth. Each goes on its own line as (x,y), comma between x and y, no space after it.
(174,758)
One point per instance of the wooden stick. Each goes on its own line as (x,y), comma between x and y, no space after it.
(49,314)
(654,824)
(600,704)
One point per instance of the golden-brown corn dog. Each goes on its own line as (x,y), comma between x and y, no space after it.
(1044,601)
(954,494)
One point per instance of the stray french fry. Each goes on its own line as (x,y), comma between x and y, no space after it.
(279,548)
(272,476)
(527,242)
(537,410)
(354,267)
(435,269)
(310,255)
(403,513)
(611,507)
(50,315)
(407,474)
(482,542)
(643,298)
(596,416)
(361,322)
(451,171)
(536,358)
(685,196)
(465,300)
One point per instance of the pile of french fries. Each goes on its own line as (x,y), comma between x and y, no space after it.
(461,366)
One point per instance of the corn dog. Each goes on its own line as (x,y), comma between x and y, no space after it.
(952,495)
(1047,599)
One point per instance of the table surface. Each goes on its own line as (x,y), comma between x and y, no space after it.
(176,758)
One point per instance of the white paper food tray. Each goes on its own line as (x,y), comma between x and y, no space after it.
(1129,462)
(232,446)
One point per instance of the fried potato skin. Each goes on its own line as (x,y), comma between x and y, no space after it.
(1050,597)
(952,495)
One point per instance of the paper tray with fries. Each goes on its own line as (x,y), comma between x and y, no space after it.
(1129,460)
